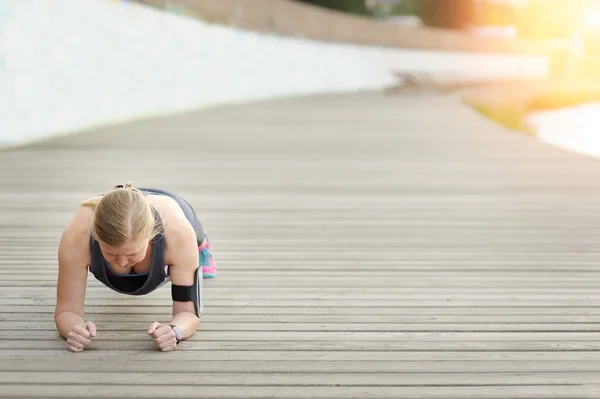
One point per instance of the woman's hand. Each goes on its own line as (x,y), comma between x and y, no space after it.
(80,336)
(163,336)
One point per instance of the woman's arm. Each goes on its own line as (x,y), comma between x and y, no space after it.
(184,262)
(73,257)
(181,254)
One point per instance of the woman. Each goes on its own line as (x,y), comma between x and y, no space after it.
(133,241)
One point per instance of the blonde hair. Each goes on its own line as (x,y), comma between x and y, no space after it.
(122,214)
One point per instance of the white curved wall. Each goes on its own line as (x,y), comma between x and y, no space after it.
(71,64)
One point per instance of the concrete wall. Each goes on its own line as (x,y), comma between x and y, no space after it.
(72,64)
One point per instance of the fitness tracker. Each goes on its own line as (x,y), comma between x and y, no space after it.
(178,334)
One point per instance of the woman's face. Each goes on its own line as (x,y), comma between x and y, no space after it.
(126,255)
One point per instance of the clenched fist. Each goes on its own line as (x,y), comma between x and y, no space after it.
(80,336)
(163,336)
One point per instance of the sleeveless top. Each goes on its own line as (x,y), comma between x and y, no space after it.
(132,284)
(142,284)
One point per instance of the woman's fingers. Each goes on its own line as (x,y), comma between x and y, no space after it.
(80,336)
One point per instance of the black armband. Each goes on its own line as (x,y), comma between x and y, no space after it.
(181,293)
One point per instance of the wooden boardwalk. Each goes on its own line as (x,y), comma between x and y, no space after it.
(368,246)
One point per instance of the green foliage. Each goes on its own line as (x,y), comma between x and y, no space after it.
(358,7)
(506,115)
(456,14)
(451,14)
(406,7)
(350,6)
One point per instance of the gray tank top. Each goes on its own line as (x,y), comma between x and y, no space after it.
(142,284)
(132,284)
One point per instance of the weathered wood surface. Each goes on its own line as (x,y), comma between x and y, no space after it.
(367,246)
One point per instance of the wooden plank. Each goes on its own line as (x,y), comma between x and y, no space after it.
(410,277)
(220,320)
(28,285)
(564,358)
(323,310)
(332,392)
(349,336)
(389,266)
(330,292)
(428,280)
(463,302)
(197,346)
(410,379)
(357,326)
(242,365)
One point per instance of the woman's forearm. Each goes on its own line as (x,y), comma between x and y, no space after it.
(187,323)
(65,321)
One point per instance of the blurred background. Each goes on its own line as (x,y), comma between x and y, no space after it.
(558,107)
(490,52)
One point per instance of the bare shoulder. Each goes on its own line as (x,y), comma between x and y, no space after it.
(179,234)
(74,242)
